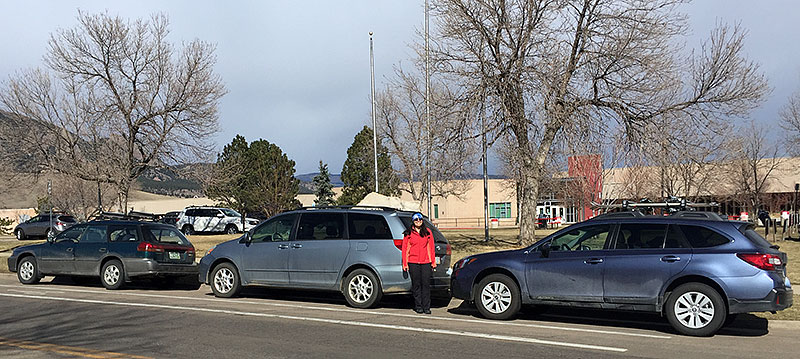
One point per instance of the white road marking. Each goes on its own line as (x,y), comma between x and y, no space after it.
(333,321)
(363,311)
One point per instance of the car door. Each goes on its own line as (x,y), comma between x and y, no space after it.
(572,270)
(58,255)
(318,251)
(265,258)
(38,225)
(90,250)
(644,257)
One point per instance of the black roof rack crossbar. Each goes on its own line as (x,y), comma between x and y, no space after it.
(698,215)
(383,208)
(627,214)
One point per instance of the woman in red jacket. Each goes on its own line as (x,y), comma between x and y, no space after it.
(419,260)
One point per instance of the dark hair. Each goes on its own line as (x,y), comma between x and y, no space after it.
(423,230)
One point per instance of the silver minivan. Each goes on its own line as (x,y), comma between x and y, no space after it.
(353,250)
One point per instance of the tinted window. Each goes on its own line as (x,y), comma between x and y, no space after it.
(166,235)
(586,238)
(321,226)
(191,212)
(701,237)
(207,212)
(641,236)
(69,219)
(275,230)
(123,234)
(230,213)
(368,226)
(675,238)
(94,234)
(71,234)
(754,237)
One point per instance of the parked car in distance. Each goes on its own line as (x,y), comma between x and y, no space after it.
(692,267)
(114,251)
(352,250)
(170,217)
(203,219)
(41,226)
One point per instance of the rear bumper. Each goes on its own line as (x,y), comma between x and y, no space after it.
(777,299)
(149,267)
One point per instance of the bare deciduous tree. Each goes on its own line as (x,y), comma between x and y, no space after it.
(116,99)
(752,166)
(548,63)
(791,122)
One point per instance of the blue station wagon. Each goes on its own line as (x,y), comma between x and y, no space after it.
(693,267)
(355,251)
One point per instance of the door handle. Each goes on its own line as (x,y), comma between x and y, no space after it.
(283,246)
(593,261)
(670,259)
(69,249)
(297,245)
(102,250)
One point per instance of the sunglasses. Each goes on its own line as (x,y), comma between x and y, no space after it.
(417,219)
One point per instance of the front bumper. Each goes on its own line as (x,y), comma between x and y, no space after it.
(12,264)
(777,299)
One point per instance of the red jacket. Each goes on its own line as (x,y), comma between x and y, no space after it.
(418,249)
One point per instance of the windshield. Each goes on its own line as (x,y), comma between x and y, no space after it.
(167,235)
(230,213)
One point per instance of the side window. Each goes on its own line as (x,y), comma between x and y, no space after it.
(368,226)
(641,236)
(191,213)
(123,234)
(702,237)
(587,238)
(321,226)
(71,234)
(675,238)
(94,234)
(275,230)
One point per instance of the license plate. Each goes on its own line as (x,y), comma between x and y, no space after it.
(174,255)
(438,261)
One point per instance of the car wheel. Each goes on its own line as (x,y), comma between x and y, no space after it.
(28,271)
(695,309)
(112,275)
(231,229)
(187,230)
(225,281)
(19,234)
(362,289)
(497,297)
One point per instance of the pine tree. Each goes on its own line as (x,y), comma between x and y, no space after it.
(323,187)
(358,171)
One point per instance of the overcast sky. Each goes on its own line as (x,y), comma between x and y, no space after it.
(297,72)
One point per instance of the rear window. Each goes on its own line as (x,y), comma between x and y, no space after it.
(69,219)
(368,226)
(166,235)
(702,237)
(438,237)
(754,237)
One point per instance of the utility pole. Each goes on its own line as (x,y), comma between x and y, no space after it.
(374,127)
(49,231)
(428,109)
(485,176)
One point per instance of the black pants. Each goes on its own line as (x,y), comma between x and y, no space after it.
(421,284)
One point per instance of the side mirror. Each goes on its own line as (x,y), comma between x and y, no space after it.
(545,249)
(220,215)
(246,238)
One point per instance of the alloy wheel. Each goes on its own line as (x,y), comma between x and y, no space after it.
(26,270)
(694,310)
(496,297)
(111,275)
(223,280)
(360,288)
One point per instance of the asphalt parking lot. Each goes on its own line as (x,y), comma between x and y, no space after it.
(59,318)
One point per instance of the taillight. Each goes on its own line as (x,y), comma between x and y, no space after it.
(59,224)
(761,261)
(449,250)
(149,247)
(399,244)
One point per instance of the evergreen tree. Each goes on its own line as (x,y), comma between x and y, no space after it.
(323,187)
(358,171)
(254,178)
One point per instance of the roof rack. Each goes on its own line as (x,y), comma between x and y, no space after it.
(380,208)
(698,215)
(131,216)
(627,214)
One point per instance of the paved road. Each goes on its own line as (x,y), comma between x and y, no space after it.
(61,319)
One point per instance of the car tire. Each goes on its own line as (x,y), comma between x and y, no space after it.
(497,297)
(187,230)
(225,281)
(362,289)
(20,234)
(112,275)
(28,271)
(695,309)
(231,229)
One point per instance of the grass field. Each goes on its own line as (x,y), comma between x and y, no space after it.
(465,242)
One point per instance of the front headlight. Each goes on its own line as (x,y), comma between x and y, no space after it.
(210,250)
(463,262)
